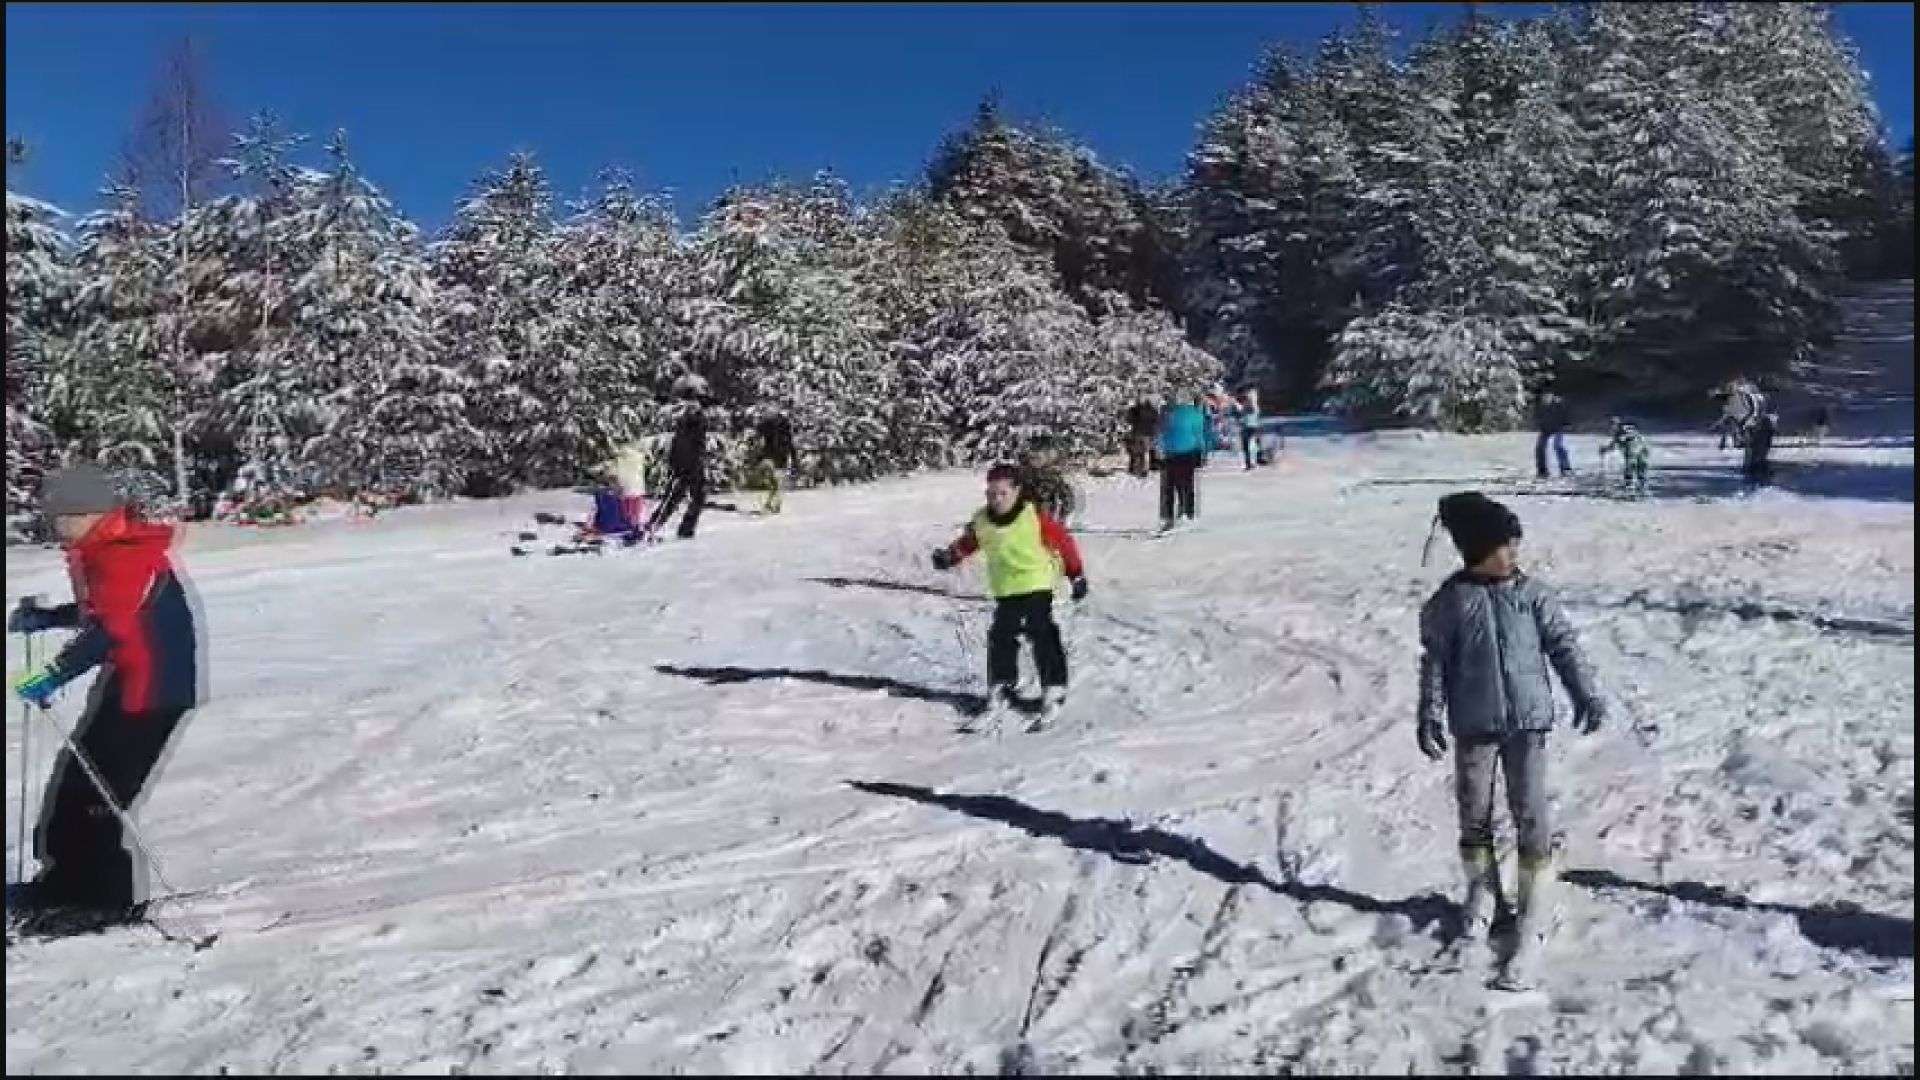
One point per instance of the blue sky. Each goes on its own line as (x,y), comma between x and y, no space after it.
(689,97)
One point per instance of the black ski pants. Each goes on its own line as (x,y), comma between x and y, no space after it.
(690,487)
(1029,615)
(85,858)
(1177,486)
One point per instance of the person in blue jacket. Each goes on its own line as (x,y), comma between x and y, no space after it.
(1185,439)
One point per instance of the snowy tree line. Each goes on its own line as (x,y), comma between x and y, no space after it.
(311,332)
(1623,198)
(1630,200)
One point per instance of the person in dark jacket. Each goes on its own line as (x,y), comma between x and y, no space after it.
(1758,466)
(136,626)
(1550,420)
(1488,636)
(1143,423)
(686,463)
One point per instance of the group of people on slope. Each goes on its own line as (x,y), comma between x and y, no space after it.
(1754,436)
(620,504)
(1179,440)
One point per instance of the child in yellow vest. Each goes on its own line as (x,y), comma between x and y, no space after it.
(1026,551)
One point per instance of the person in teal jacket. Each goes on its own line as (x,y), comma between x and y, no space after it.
(1185,440)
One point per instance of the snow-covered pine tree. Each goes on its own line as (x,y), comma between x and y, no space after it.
(1498,242)
(1053,195)
(262,238)
(1272,188)
(620,282)
(39,283)
(386,410)
(1705,269)
(496,319)
(111,395)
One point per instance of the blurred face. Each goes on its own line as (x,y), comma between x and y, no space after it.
(1001,495)
(71,527)
(1503,561)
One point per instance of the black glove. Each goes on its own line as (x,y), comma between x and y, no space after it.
(1588,716)
(1433,740)
(1079,589)
(29,618)
(942,559)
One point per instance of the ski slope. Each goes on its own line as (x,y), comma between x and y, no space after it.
(700,808)
(696,809)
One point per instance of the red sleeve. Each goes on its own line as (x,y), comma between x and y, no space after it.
(966,545)
(1059,540)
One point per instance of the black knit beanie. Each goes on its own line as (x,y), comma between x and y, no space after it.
(1477,524)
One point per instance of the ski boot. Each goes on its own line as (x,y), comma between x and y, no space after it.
(1050,706)
(993,714)
(1534,918)
(1477,906)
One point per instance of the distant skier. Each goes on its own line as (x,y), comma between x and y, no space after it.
(1822,423)
(773,455)
(1757,466)
(1026,550)
(1249,416)
(1550,420)
(686,461)
(1186,437)
(1487,637)
(1627,439)
(1143,419)
(136,625)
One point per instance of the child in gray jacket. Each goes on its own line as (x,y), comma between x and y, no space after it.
(1487,637)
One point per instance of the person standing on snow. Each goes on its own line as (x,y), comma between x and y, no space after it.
(1550,420)
(137,627)
(1487,638)
(1627,439)
(686,461)
(1758,464)
(774,455)
(1249,409)
(1143,420)
(1026,551)
(1186,438)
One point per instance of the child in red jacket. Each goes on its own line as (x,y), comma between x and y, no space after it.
(137,627)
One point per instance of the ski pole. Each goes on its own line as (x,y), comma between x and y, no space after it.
(26,766)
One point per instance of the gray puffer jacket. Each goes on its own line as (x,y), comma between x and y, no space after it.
(1485,646)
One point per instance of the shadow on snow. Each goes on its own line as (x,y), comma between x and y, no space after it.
(1833,926)
(1121,841)
(720,676)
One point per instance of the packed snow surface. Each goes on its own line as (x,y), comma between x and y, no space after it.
(702,808)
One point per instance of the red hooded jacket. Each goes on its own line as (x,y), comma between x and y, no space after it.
(132,613)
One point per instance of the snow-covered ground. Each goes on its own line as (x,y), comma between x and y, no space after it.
(701,808)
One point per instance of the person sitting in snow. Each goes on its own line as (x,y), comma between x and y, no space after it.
(1487,638)
(136,626)
(1026,550)
(1627,439)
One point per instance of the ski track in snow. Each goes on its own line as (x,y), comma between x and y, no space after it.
(479,823)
